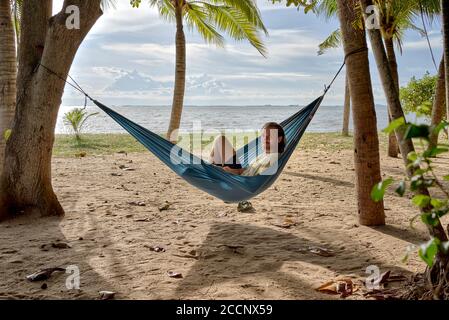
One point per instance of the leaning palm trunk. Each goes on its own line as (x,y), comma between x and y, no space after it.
(347,109)
(406,145)
(393,147)
(180,79)
(445,17)
(438,108)
(366,142)
(8,74)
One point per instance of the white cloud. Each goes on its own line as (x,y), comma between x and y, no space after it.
(436,43)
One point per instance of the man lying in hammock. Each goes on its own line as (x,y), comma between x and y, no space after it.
(273,140)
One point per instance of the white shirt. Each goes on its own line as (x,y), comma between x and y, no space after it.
(261,164)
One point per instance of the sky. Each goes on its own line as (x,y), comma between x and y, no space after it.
(128,58)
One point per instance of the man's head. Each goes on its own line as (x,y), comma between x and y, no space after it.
(273,137)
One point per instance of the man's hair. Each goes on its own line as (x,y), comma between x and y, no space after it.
(281,133)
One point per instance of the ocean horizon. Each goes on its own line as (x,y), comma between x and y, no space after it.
(216,117)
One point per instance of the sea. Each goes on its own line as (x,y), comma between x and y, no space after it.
(204,118)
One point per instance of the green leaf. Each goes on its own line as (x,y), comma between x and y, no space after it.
(437,129)
(378,191)
(446,178)
(430,219)
(421,200)
(432,153)
(395,124)
(437,203)
(417,131)
(428,251)
(7,134)
(416,182)
(400,190)
(412,156)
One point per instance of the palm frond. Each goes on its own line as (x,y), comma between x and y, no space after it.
(197,19)
(235,24)
(106,4)
(248,8)
(332,41)
(327,8)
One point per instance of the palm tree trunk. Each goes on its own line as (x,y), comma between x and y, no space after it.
(406,145)
(366,142)
(8,74)
(445,18)
(393,147)
(439,103)
(180,77)
(26,184)
(347,109)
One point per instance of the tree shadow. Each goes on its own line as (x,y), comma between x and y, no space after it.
(322,179)
(238,253)
(26,247)
(406,234)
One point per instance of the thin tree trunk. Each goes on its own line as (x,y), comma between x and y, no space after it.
(439,103)
(366,142)
(406,145)
(393,147)
(180,78)
(8,74)
(26,186)
(445,23)
(347,109)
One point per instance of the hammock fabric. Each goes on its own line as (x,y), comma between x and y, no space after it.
(213,179)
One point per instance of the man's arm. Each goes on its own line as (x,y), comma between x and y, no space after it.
(234,171)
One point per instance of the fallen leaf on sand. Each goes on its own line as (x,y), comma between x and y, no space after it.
(60,245)
(156,248)
(107,295)
(164,207)
(137,203)
(55,245)
(387,277)
(81,155)
(344,287)
(116,174)
(175,275)
(382,294)
(43,274)
(286,224)
(321,251)
(232,246)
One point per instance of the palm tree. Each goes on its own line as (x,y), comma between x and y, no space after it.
(445,19)
(16,6)
(366,141)
(395,109)
(438,104)
(395,18)
(334,41)
(240,19)
(8,73)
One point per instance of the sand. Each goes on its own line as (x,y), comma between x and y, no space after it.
(113,219)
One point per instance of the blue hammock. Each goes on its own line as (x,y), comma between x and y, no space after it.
(212,179)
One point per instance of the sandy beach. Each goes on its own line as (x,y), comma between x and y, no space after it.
(120,206)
